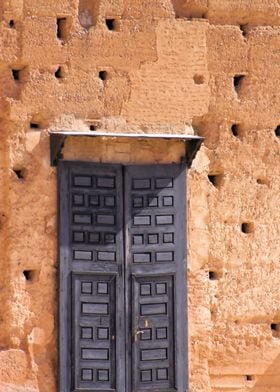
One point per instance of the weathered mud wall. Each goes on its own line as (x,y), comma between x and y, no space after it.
(209,67)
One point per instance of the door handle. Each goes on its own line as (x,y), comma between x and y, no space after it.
(136,334)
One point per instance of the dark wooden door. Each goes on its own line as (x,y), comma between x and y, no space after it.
(122,278)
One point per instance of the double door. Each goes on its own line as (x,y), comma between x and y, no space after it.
(122,278)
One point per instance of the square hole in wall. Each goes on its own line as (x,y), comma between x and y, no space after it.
(216,179)
(262,181)
(39,121)
(19,73)
(62,28)
(277,131)
(20,173)
(111,24)
(213,275)
(273,327)
(103,75)
(275,330)
(244,29)
(247,227)
(58,73)
(34,125)
(16,74)
(237,82)
(235,130)
(198,79)
(31,276)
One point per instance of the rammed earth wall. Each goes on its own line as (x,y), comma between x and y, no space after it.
(204,67)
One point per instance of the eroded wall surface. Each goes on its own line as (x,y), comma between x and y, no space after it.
(204,67)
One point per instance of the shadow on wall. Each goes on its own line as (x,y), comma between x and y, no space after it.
(269,380)
(190,8)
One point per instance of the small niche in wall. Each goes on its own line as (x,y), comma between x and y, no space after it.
(59,73)
(249,377)
(262,181)
(62,28)
(19,73)
(31,276)
(93,124)
(275,329)
(235,130)
(216,179)
(39,121)
(20,173)
(237,82)
(198,79)
(103,75)
(16,74)
(247,227)
(277,131)
(243,29)
(214,275)
(34,125)
(12,24)
(111,24)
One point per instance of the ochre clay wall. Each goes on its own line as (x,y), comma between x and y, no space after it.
(169,67)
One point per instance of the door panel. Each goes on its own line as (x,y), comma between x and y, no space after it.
(155,276)
(94,332)
(154,217)
(153,326)
(91,277)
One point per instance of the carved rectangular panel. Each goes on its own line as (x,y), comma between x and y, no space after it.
(151,210)
(94,331)
(153,318)
(96,201)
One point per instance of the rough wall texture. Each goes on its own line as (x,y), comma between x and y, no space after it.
(155,66)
